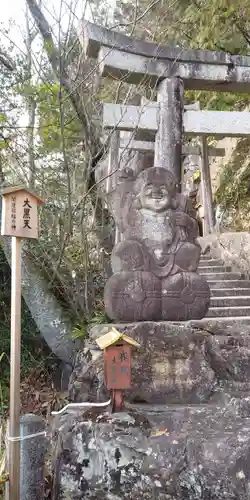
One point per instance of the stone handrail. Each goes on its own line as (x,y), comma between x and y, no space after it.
(232,247)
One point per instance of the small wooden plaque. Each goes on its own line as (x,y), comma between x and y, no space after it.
(117,367)
(19,213)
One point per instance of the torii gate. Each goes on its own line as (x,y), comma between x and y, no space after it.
(168,70)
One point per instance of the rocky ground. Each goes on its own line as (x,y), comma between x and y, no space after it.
(177,452)
(195,446)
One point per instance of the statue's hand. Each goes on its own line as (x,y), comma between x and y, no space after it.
(182,219)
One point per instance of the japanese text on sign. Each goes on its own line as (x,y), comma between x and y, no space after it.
(13,213)
(26,213)
(118,367)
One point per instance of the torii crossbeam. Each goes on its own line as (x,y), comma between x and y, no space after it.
(123,57)
(169,70)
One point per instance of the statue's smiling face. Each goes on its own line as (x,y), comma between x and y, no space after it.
(156,198)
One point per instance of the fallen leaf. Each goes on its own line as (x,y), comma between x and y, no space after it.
(158,433)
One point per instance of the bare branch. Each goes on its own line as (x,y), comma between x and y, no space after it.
(92,142)
(6,61)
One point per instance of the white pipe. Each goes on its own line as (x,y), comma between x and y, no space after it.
(81,405)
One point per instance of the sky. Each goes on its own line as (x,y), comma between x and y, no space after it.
(18,25)
(15,10)
(9,10)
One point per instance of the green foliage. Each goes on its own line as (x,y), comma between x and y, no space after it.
(233,192)
(99,317)
(201,24)
(218,101)
(51,102)
(79,332)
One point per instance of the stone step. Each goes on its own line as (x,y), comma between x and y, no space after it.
(230,301)
(215,312)
(228,284)
(222,320)
(211,262)
(206,257)
(221,276)
(214,269)
(229,292)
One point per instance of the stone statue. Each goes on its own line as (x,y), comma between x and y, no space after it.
(155,264)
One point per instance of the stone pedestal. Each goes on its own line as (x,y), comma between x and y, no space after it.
(177,363)
(195,447)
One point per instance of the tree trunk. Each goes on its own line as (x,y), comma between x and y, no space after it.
(46,311)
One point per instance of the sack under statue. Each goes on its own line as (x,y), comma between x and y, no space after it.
(155,264)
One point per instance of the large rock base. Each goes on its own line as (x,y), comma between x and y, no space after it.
(179,453)
(177,363)
(195,447)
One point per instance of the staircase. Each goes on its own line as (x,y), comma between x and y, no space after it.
(230,292)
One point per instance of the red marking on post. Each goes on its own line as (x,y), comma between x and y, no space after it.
(117,367)
(117,400)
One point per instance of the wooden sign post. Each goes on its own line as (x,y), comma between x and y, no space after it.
(117,364)
(19,220)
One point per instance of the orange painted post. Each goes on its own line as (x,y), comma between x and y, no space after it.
(117,364)
(117,372)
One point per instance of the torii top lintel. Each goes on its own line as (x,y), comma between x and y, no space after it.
(136,60)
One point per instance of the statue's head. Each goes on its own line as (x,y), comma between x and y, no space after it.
(156,190)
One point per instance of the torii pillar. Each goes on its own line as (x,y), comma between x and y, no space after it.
(168,141)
